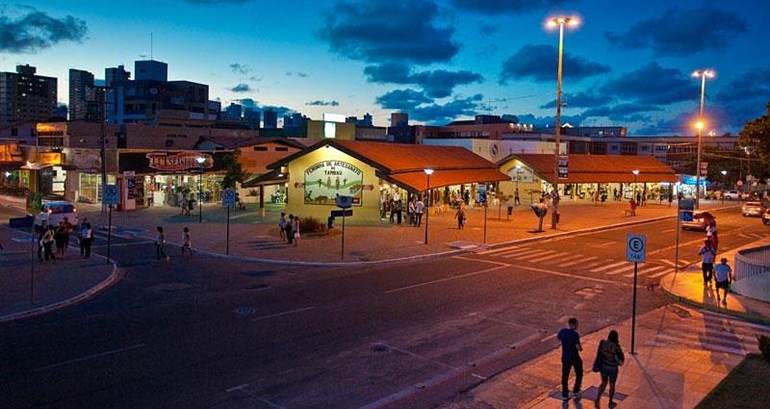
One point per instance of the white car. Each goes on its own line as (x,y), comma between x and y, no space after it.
(753,209)
(54,212)
(732,195)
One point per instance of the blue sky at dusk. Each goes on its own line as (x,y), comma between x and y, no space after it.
(629,62)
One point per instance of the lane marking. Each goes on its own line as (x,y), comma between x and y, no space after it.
(484,317)
(609,243)
(237,388)
(622,270)
(519,252)
(281,314)
(425,358)
(579,259)
(476,260)
(550,257)
(124,244)
(269,403)
(539,252)
(536,255)
(93,356)
(441,280)
(645,271)
(498,250)
(608,266)
(662,273)
(576,276)
(668,231)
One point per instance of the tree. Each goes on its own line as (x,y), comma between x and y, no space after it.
(234,171)
(755,139)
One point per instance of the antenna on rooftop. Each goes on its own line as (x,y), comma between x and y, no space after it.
(151,44)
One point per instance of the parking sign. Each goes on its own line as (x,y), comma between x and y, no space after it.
(636,247)
(228,197)
(111,195)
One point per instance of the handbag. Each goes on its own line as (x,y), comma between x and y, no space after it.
(597,366)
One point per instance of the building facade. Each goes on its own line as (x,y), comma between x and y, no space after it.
(25,96)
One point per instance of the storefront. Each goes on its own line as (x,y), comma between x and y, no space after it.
(376,175)
(589,177)
(169,178)
(11,161)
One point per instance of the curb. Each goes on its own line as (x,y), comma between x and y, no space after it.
(751,317)
(421,256)
(115,276)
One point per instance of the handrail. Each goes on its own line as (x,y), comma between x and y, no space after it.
(752,261)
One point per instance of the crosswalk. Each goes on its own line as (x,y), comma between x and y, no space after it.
(754,236)
(716,333)
(552,257)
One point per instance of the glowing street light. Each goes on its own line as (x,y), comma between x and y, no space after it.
(560,22)
(636,174)
(702,74)
(201,160)
(428,172)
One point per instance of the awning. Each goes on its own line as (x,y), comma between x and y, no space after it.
(594,168)
(417,181)
(274,177)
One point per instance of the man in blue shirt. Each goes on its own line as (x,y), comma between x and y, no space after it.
(570,358)
(722,273)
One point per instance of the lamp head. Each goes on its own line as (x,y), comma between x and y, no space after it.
(557,21)
(635,172)
(428,171)
(200,160)
(699,125)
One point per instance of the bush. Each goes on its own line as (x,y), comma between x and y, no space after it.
(764,346)
(311,225)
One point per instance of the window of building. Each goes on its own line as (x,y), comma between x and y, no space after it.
(281,149)
(260,149)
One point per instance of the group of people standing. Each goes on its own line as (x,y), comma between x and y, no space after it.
(721,273)
(609,358)
(53,240)
(288,229)
(160,243)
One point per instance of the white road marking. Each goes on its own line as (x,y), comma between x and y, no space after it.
(425,358)
(441,280)
(85,358)
(522,256)
(549,257)
(667,231)
(268,403)
(620,270)
(609,243)
(476,260)
(575,276)
(237,388)
(519,252)
(133,243)
(533,256)
(578,259)
(608,266)
(498,250)
(646,271)
(280,314)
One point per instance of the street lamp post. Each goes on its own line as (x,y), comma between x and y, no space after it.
(428,198)
(201,160)
(636,175)
(724,184)
(702,74)
(559,21)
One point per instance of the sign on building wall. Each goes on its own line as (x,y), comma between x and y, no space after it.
(327,179)
(171,162)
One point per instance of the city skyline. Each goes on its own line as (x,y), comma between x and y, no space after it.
(457,57)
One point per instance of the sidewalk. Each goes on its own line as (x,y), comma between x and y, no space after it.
(682,354)
(56,284)
(687,287)
(252,236)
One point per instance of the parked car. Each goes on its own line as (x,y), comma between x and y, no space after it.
(732,195)
(753,209)
(766,217)
(54,212)
(698,222)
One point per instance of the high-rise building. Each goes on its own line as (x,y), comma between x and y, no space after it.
(233,112)
(252,117)
(115,75)
(150,70)
(270,119)
(80,82)
(399,119)
(25,96)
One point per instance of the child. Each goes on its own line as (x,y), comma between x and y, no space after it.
(723,274)
(186,241)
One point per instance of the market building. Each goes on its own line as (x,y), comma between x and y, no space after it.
(614,177)
(377,176)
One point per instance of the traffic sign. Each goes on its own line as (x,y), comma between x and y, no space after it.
(344,202)
(563,166)
(228,197)
(342,213)
(636,247)
(111,195)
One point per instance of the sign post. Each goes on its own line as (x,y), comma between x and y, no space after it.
(636,252)
(111,198)
(228,199)
(483,201)
(344,203)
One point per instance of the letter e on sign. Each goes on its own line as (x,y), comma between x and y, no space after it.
(636,247)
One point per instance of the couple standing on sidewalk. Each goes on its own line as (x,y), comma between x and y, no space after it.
(722,273)
(609,357)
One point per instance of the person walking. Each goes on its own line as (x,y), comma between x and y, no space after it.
(609,357)
(295,231)
(86,238)
(290,229)
(723,275)
(412,212)
(419,210)
(282,227)
(707,253)
(47,242)
(60,238)
(516,199)
(570,358)
(160,245)
(186,241)
(460,216)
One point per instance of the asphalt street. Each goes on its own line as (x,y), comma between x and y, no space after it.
(199,332)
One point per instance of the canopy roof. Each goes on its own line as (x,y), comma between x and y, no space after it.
(405,164)
(595,168)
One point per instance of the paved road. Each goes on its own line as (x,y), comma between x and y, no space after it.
(206,333)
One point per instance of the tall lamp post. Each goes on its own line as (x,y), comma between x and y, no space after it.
(428,200)
(702,74)
(201,160)
(636,175)
(724,185)
(558,21)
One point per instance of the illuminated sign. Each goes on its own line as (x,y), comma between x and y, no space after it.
(49,158)
(168,162)
(325,180)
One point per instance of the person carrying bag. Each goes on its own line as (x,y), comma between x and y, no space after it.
(609,357)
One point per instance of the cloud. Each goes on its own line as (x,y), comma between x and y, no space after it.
(653,84)
(538,62)
(682,32)
(497,7)
(322,103)
(443,113)
(402,99)
(241,88)
(677,125)
(626,112)
(580,100)
(36,31)
(407,31)
(745,97)
(239,68)
(251,103)
(299,74)
(488,29)
(436,83)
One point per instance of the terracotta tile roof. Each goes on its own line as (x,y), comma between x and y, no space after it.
(418,181)
(232,142)
(597,168)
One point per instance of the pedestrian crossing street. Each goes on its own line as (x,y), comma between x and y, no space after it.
(594,264)
(712,331)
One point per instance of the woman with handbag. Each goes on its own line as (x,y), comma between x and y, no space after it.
(609,356)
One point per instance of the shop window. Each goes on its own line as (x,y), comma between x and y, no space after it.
(281,149)
(260,149)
